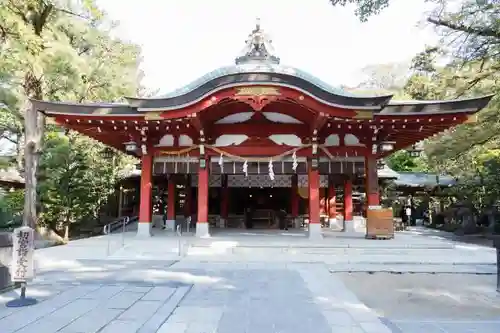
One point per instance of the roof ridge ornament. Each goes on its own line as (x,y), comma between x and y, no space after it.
(258,49)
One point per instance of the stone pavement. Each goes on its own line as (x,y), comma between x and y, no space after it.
(234,282)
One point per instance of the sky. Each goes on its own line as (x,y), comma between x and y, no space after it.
(183,39)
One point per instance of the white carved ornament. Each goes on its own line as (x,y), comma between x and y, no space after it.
(286,139)
(236,118)
(185,140)
(280,118)
(352,140)
(332,140)
(230,140)
(166,140)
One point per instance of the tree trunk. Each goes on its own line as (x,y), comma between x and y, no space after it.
(20,152)
(31,164)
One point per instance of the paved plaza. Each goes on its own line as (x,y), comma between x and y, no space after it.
(258,281)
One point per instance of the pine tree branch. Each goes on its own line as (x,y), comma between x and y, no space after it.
(482,32)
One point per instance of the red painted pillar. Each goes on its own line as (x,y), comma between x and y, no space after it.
(145,205)
(372,191)
(332,204)
(171,199)
(313,195)
(188,198)
(314,219)
(224,204)
(294,202)
(348,219)
(202,221)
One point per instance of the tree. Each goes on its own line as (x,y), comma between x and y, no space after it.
(63,51)
(403,161)
(364,8)
(76,180)
(390,76)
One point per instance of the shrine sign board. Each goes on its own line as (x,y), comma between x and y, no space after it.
(379,223)
(23,249)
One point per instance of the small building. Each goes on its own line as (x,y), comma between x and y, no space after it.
(259,136)
(11,179)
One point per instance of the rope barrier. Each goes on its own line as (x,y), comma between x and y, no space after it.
(220,151)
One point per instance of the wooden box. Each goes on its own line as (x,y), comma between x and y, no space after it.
(379,223)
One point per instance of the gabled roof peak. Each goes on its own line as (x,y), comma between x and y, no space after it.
(258,48)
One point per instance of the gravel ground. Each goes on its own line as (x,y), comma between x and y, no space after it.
(427,296)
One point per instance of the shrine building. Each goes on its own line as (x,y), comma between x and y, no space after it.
(260,137)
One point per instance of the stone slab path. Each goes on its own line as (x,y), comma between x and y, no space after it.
(234,282)
(297,299)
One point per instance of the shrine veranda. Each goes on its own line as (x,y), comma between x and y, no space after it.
(262,136)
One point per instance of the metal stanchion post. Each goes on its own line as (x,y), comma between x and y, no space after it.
(109,240)
(179,234)
(124,223)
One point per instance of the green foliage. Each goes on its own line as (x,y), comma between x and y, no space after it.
(364,8)
(11,208)
(403,161)
(466,63)
(76,179)
(64,51)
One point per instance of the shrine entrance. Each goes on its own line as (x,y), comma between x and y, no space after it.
(259,206)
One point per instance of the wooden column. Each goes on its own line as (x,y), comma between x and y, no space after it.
(224,203)
(348,218)
(313,195)
(314,218)
(145,206)
(188,198)
(171,198)
(202,221)
(372,190)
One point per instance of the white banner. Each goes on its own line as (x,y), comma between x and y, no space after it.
(23,249)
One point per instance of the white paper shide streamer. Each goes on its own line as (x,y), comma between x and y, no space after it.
(271,171)
(221,163)
(245,168)
(295,163)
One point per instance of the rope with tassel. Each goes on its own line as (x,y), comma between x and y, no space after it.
(276,158)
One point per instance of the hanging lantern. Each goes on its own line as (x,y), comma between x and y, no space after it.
(130,146)
(415,150)
(386,146)
(380,164)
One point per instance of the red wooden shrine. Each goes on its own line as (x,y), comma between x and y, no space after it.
(259,119)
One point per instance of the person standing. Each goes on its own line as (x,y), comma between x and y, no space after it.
(408,212)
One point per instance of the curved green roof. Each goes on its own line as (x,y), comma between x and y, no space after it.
(257,68)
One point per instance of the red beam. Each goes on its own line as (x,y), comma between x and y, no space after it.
(318,122)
